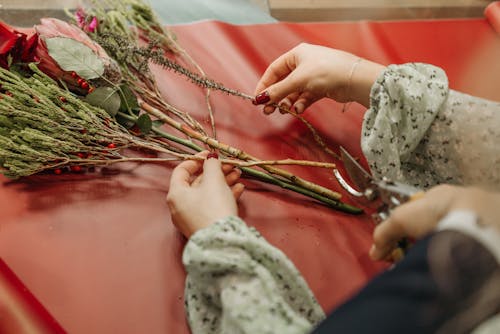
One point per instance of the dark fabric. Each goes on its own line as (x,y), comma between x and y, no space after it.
(445,284)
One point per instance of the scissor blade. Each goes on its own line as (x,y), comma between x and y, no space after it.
(358,175)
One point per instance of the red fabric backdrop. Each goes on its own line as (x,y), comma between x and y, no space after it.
(100,253)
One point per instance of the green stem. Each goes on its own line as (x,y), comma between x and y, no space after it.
(261,176)
(165,135)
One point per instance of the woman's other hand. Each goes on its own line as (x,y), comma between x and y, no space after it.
(420,217)
(202,192)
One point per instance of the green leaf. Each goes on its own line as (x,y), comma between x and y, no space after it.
(144,123)
(106,98)
(128,100)
(72,55)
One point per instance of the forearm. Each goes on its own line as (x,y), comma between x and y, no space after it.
(363,76)
(419,132)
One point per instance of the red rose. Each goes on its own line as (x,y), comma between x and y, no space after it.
(17,45)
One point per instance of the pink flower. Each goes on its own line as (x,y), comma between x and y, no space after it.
(50,28)
(92,25)
(82,20)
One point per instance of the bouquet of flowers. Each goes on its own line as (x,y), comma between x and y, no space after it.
(75,97)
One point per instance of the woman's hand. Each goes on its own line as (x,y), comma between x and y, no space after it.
(201,192)
(420,217)
(308,73)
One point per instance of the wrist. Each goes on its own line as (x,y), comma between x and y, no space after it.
(363,77)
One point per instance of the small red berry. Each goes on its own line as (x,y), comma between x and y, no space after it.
(80,81)
(83,131)
(81,155)
(62,99)
(111,145)
(85,85)
(74,75)
(91,89)
(58,171)
(9,94)
(76,168)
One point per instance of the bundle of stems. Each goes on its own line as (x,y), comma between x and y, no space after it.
(45,127)
(149,42)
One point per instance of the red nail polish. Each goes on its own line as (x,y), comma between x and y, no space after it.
(262,98)
(212,155)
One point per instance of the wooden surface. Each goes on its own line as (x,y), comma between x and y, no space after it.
(291,10)
(327,10)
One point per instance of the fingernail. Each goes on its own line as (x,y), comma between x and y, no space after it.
(262,98)
(268,110)
(284,107)
(212,155)
(299,108)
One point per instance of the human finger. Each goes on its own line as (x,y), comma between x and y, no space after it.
(226,169)
(414,219)
(183,173)
(269,109)
(293,83)
(303,102)
(287,102)
(237,190)
(212,173)
(233,177)
(276,71)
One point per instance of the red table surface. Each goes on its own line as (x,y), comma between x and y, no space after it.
(100,252)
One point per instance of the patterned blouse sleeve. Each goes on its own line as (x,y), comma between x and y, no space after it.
(420,132)
(239,283)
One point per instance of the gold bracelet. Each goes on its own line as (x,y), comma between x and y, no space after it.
(351,74)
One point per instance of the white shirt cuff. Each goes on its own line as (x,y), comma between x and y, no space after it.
(467,222)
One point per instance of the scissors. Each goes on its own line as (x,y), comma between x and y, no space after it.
(384,193)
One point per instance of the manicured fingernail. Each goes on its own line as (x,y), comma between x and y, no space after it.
(262,98)
(268,110)
(212,155)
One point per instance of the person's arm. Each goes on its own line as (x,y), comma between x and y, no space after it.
(420,132)
(447,283)
(236,281)
(239,283)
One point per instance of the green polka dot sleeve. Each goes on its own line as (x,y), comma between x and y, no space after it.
(238,283)
(420,132)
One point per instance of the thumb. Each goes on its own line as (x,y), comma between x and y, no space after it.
(414,219)
(212,172)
